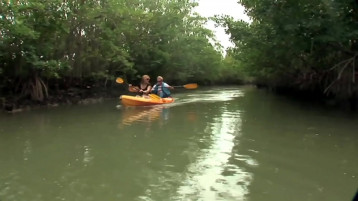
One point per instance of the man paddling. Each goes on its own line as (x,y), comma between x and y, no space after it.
(161,88)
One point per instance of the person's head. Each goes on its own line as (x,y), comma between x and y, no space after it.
(145,79)
(160,79)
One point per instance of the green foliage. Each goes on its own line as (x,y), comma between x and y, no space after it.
(49,40)
(298,43)
(232,71)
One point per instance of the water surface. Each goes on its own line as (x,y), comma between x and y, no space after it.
(233,143)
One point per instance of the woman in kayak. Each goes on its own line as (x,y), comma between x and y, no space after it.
(162,88)
(144,87)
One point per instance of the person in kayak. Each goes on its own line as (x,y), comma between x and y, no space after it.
(144,87)
(161,88)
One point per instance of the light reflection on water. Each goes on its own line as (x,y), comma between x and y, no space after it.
(147,114)
(213,96)
(27,149)
(211,176)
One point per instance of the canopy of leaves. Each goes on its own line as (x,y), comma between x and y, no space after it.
(103,39)
(311,45)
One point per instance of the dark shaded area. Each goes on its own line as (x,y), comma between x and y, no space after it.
(314,97)
(355,197)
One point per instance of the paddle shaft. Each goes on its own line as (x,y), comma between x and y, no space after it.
(188,86)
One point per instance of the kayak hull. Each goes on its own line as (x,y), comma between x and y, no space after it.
(140,101)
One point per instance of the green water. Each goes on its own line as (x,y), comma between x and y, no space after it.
(235,143)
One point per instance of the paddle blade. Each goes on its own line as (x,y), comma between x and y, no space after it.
(119,80)
(191,86)
(133,89)
(153,96)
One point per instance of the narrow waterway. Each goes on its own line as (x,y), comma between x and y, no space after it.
(228,143)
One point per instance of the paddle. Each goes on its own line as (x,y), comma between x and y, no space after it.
(130,87)
(154,96)
(189,86)
(186,86)
(119,80)
(136,89)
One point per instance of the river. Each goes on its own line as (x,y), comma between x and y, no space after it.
(223,143)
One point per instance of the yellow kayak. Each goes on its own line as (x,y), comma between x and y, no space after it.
(140,101)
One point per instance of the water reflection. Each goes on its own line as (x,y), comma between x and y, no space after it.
(87,156)
(234,148)
(215,95)
(213,176)
(27,149)
(131,115)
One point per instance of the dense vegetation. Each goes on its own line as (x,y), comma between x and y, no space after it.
(51,46)
(48,48)
(308,45)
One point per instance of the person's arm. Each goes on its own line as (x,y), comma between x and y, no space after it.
(153,88)
(149,88)
(168,86)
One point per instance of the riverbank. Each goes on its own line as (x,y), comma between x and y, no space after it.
(71,96)
(92,95)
